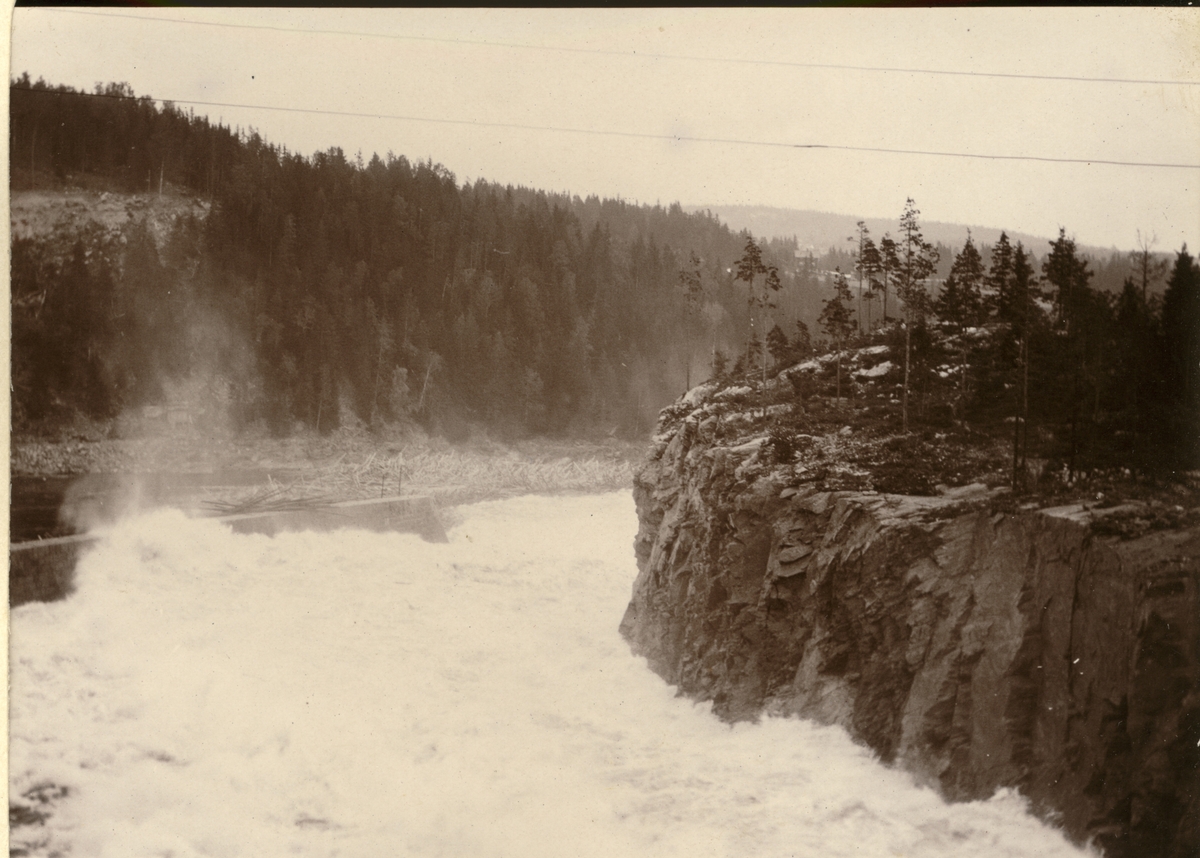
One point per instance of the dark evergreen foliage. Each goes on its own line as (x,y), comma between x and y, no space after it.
(838,323)
(354,291)
(323,289)
(1181,362)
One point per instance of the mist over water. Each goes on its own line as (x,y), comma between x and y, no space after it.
(363,694)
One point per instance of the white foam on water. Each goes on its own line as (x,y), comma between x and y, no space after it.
(361,694)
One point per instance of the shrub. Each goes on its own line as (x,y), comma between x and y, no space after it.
(781,446)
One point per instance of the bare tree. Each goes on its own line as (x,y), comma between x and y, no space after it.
(1145,265)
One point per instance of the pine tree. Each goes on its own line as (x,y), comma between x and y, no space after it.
(749,267)
(917,262)
(871,263)
(861,266)
(889,264)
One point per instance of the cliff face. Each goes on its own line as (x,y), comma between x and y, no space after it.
(977,648)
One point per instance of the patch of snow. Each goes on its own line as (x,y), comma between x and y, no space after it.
(749,446)
(875,371)
(697,394)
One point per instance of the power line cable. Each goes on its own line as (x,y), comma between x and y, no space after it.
(640,135)
(606,52)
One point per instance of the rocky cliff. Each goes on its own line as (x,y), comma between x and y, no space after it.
(978,643)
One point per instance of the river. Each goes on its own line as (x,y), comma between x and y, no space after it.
(361,694)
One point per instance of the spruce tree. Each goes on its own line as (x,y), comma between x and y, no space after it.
(837,321)
(960,303)
(999,279)
(1181,360)
(1079,320)
(692,287)
(779,347)
(1025,313)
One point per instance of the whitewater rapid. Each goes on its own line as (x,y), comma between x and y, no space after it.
(360,694)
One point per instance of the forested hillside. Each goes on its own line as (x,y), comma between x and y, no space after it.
(324,289)
(331,290)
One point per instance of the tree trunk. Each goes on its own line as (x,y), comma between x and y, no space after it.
(1017,428)
(860,301)
(1025,401)
(904,396)
(1016,446)
(839,377)
(687,365)
(763,389)
(962,380)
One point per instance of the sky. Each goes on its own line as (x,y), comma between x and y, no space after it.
(704,107)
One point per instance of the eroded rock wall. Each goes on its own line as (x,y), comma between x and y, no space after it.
(979,649)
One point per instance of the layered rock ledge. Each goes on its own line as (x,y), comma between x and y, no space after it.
(975,642)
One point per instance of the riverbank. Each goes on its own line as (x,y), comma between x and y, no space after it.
(375,694)
(226,473)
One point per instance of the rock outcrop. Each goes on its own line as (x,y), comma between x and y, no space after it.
(974,642)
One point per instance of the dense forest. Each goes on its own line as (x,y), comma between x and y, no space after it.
(323,289)
(326,290)
(1088,378)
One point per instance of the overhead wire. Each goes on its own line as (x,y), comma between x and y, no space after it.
(637,54)
(674,138)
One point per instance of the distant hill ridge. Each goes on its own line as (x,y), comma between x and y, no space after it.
(822,230)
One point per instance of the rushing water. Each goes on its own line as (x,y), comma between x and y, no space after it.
(361,694)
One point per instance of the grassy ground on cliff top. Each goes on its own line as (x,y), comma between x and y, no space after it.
(856,442)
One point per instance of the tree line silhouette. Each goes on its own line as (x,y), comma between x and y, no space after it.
(1087,378)
(326,289)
